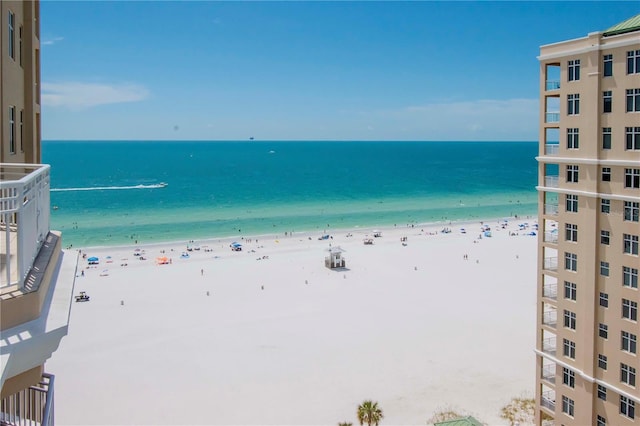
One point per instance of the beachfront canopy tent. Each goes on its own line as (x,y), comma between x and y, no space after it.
(163,260)
(93,259)
(236,246)
(335,259)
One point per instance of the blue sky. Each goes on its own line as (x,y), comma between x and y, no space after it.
(204,70)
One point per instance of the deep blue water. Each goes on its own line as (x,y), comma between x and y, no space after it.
(248,188)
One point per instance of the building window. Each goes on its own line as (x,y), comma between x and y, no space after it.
(605,237)
(606,138)
(573,69)
(605,206)
(608,65)
(633,62)
(570,291)
(632,178)
(568,377)
(603,330)
(569,348)
(606,174)
(572,173)
(20,44)
(567,405)
(604,269)
(629,277)
(633,100)
(12,35)
(571,262)
(573,104)
(602,361)
(21,130)
(12,130)
(602,392)
(627,374)
(630,244)
(628,342)
(571,232)
(632,135)
(601,421)
(627,407)
(573,137)
(607,101)
(569,319)
(571,203)
(631,211)
(629,309)
(604,300)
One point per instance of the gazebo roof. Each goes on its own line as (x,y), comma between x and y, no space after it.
(336,249)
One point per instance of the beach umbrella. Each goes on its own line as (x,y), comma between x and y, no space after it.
(93,259)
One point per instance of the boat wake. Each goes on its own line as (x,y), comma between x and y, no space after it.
(108,188)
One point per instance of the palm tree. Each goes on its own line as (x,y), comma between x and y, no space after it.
(345,424)
(370,413)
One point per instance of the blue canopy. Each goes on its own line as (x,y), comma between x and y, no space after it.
(93,259)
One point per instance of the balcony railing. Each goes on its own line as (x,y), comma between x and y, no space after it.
(24,218)
(551,263)
(551,148)
(551,209)
(551,237)
(552,117)
(30,406)
(550,318)
(551,181)
(552,85)
(549,346)
(548,373)
(548,400)
(550,291)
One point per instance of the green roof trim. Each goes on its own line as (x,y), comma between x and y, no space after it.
(631,24)
(461,421)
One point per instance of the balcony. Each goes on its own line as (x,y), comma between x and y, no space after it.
(548,400)
(30,406)
(548,373)
(551,209)
(549,346)
(550,319)
(551,149)
(550,291)
(551,263)
(24,219)
(552,85)
(551,181)
(551,237)
(552,117)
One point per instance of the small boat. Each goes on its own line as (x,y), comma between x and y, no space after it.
(163,184)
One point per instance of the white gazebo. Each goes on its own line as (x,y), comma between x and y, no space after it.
(335,259)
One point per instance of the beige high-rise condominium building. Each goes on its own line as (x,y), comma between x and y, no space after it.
(587,359)
(36,275)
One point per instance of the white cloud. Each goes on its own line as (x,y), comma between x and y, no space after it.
(77,95)
(489,119)
(51,41)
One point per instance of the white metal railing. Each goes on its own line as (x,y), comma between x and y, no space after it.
(552,84)
(551,209)
(548,373)
(549,346)
(550,291)
(552,117)
(24,216)
(30,406)
(548,400)
(551,148)
(551,263)
(551,181)
(550,318)
(550,237)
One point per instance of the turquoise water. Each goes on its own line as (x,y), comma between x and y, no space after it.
(107,193)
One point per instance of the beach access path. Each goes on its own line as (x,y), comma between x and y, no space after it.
(269,335)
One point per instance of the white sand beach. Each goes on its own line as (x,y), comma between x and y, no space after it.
(269,335)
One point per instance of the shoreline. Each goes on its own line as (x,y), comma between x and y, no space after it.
(304,233)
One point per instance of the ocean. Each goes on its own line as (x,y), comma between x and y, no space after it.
(114,192)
